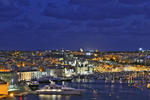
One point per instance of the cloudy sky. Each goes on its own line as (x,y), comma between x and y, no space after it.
(73,24)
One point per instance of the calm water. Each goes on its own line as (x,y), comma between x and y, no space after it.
(97,90)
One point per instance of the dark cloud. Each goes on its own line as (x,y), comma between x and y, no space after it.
(23,2)
(80,12)
(8,9)
(134,2)
(91,2)
(53,26)
(138,27)
(108,24)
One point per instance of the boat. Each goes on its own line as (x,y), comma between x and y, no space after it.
(60,79)
(148,85)
(120,81)
(59,90)
(69,79)
(47,79)
(33,84)
(113,81)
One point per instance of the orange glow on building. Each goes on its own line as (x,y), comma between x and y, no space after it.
(4,89)
(4,70)
(40,69)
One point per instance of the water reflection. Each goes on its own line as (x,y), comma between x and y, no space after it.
(53,97)
(96,89)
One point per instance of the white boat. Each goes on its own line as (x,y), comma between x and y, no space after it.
(59,90)
(148,85)
(33,85)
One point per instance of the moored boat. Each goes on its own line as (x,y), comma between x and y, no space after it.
(148,85)
(33,85)
(60,79)
(59,90)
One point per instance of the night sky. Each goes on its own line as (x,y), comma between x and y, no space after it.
(74,24)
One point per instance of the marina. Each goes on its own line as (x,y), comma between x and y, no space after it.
(74,75)
(92,85)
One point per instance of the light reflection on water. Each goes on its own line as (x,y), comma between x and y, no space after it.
(96,90)
(53,97)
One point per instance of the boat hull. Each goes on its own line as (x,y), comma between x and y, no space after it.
(34,87)
(59,93)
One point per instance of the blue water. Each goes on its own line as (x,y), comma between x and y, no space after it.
(97,90)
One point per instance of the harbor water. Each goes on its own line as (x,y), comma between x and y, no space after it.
(97,90)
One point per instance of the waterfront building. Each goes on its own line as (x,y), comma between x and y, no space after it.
(4,88)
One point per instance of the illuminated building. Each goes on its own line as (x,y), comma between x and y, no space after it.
(4,89)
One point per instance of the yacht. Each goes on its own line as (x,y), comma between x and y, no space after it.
(148,85)
(60,79)
(113,81)
(54,79)
(33,84)
(59,90)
